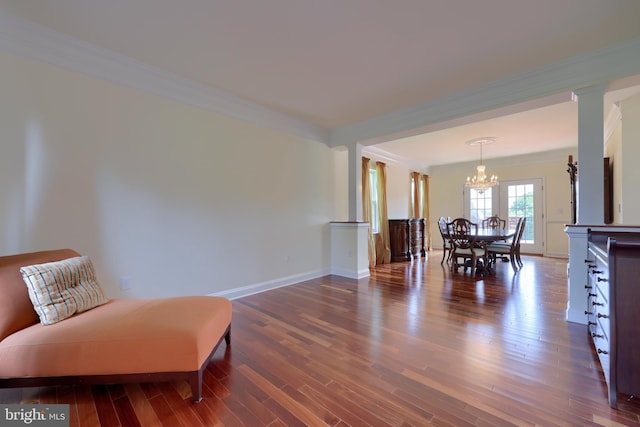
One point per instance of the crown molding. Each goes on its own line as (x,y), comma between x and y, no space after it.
(602,66)
(36,42)
(598,67)
(376,153)
(559,155)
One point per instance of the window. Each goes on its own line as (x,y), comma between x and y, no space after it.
(523,198)
(520,203)
(480,204)
(375,221)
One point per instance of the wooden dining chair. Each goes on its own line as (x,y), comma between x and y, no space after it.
(463,235)
(509,250)
(522,228)
(494,222)
(447,247)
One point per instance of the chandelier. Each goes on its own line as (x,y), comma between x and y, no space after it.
(480,181)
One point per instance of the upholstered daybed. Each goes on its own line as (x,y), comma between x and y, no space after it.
(117,341)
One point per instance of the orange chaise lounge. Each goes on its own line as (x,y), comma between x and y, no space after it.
(101,341)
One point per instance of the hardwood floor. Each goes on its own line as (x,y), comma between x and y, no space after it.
(413,344)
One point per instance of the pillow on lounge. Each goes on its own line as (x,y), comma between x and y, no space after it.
(60,289)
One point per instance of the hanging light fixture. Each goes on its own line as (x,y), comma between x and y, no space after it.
(480,181)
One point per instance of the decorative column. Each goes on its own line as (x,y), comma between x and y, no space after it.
(590,196)
(590,155)
(350,239)
(350,249)
(355,182)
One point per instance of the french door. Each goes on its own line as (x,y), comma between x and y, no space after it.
(511,200)
(523,198)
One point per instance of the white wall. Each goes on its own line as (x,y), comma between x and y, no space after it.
(181,200)
(629,201)
(398,189)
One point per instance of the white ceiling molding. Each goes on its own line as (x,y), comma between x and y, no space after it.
(598,67)
(36,42)
(379,154)
(559,155)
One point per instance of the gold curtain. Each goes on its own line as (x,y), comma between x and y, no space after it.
(366,208)
(425,210)
(415,197)
(382,213)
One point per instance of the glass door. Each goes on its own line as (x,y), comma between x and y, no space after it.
(523,198)
(481,204)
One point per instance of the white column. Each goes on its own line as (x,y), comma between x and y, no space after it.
(577,274)
(350,249)
(350,239)
(355,182)
(590,196)
(590,155)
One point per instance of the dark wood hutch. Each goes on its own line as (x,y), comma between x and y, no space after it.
(406,239)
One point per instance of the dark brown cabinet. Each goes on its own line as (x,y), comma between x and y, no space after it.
(613,296)
(406,238)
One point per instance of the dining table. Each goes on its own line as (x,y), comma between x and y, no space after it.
(484,236)
(490,235)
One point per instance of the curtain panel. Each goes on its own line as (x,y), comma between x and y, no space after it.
(424,203)
(381,173)
(366,209)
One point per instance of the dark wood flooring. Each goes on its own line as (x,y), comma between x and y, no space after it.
(413,344)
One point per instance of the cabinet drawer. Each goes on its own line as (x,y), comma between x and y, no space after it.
(601,344)
(604,329)
(604,361)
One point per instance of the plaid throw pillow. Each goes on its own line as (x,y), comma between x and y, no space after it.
(60,289)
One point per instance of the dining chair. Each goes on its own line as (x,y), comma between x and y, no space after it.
(463,235)
(447,247)
(508,249)
(522,227)
(494,222)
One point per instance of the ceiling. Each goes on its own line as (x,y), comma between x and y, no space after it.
(335,63)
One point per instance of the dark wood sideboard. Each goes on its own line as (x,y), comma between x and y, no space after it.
(406,239)
(613,299)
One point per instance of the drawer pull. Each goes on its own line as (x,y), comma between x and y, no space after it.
(603,316)
(603,351)
(602,279)
(597,303)
(588,313)
(594,335)
(591,323)
(592,295)
(587,261)
(588,287)
(597,271)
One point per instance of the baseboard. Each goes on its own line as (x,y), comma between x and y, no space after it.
(557,255)
(269,285)
(351,274)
